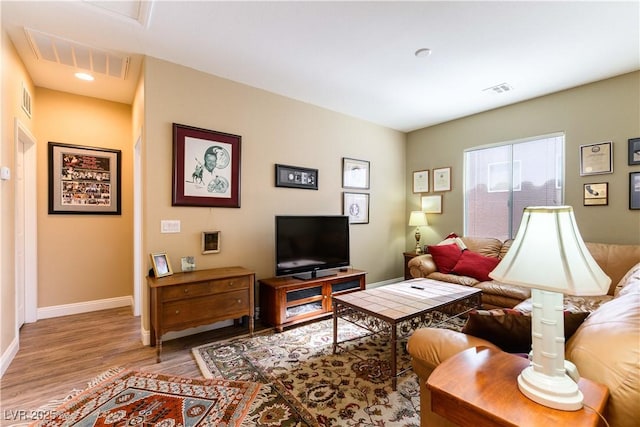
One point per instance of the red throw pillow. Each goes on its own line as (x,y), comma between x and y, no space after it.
(445,256)
(475,265)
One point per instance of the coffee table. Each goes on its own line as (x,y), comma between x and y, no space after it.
(400,308)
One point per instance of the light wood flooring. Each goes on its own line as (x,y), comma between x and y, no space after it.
(61,354)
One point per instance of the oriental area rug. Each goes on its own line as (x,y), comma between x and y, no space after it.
(131,398)
(305,384)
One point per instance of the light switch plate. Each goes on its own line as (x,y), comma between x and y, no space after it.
(170,226)
(5,173)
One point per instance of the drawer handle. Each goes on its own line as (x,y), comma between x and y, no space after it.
(186,291)
(239,301)
(177,311)
(230,283)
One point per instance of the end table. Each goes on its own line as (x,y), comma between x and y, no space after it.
(479,387)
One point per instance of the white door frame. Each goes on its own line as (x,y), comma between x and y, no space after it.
(138,257)
(26,147)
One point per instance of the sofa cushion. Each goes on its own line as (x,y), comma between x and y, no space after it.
(630,283)
(511,329)
(487,246)
(445,256)
(475,265)
(605,349)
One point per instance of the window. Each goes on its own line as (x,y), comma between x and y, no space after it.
(501,180)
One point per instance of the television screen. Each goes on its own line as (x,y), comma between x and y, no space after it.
(307,244)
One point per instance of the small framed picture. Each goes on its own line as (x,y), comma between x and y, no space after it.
(355,173)
(596,194)
(634,151)
(596,158)
(442,179)
(210,242)
(356,207)
(634,190)
(188,263)
(161,264)
(432,204)
(421,181)
(296,177)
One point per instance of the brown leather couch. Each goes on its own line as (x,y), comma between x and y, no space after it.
(605,348)
(614,259)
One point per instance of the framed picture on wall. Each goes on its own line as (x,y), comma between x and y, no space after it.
(596,194)
(355,173)
(206,168)
(634,151)
(431,204)
(84,180)
(596,158)
(421,181)
(634,190)
(442,179)
(356,207)
(210,242)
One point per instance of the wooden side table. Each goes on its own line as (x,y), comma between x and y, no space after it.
(408,256)
(479,387)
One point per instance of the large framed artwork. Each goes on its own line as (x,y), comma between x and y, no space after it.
(206,168)
(84,180)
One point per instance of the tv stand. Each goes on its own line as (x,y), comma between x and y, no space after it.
(287,300)
(315,274)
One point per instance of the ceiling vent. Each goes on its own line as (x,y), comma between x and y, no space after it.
(65,52)
(26,100)
(501,88)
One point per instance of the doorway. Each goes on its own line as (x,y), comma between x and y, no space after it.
(26,261)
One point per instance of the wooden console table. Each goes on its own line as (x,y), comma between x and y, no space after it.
(479,387)
(285,301)
(201,297)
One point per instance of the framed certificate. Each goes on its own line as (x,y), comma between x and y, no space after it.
(596,158)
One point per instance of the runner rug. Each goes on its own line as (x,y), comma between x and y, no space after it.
(146,399)
(305,384)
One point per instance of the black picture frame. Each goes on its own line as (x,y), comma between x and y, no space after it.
(634,190)
(84,180)
(634,151)
(296,177)
(194,151)
(356,207)
(355,173)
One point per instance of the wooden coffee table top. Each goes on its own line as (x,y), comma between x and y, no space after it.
(404,300)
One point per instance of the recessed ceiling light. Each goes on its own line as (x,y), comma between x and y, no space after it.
(422,53)
(85,76)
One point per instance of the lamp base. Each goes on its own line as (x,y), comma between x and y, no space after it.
(558,392)
(418,249)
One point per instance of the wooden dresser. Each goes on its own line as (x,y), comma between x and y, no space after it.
(201,297)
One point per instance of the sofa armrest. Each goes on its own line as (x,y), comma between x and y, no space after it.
(422,265)
(429,347)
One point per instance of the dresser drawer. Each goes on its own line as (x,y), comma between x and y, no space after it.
(205,309)
(205,288)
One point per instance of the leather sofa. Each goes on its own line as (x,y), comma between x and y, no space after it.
(605,348)
(614,259)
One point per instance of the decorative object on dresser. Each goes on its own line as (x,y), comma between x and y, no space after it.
(197,298)
(549,256)
(287,300)
(418,219)
(161,264)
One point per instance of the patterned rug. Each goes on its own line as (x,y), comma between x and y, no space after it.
(142,398)
(305,384)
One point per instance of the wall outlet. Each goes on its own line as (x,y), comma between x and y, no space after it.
(170,226)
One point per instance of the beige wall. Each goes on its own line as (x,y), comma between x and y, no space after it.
(83,257)
(274,129)
(608,110)
(14,75)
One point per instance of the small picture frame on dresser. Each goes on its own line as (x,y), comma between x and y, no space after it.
(161,264)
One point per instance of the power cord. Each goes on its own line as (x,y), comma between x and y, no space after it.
(599,414)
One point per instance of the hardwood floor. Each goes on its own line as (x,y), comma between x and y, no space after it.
(61,354)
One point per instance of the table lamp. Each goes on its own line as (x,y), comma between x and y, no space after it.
(549,256)
(418,219)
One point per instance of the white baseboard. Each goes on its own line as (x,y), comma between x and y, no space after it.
(146,334)
(8,355)
(384,282)
(84,307)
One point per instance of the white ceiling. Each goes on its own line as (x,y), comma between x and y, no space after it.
(355,57)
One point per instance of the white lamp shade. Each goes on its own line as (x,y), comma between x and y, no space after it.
(418,218)
(548,253)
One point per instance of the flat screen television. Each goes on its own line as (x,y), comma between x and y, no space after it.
(311,246)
